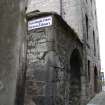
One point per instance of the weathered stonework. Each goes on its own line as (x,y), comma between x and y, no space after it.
(12,32)
(50,79)
(54,65)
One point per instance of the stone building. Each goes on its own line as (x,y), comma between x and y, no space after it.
(49,52)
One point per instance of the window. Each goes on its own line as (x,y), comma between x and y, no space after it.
(94,43)
(86,25)
(89,70)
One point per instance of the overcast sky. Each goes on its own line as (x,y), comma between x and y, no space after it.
(100,4)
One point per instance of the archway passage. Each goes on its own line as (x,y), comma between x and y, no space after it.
(75,78)
(95,80)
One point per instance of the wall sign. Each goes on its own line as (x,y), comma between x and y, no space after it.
(39,23)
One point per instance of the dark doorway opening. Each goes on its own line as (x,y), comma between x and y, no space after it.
(95,80)
(75,78)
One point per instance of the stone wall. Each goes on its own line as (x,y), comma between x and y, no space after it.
(11,38)
(82,17)
(91,44)
(48,78)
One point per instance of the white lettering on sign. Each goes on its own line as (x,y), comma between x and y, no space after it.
(39,23)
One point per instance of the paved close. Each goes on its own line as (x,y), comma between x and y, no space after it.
(99,99)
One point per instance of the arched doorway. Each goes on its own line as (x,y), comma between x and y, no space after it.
(95,80)
(75,77)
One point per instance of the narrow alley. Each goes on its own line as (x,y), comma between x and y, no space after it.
(99,99)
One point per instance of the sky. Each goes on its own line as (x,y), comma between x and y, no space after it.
(100,5)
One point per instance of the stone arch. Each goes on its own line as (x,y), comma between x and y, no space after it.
(75,77)
(95,80)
